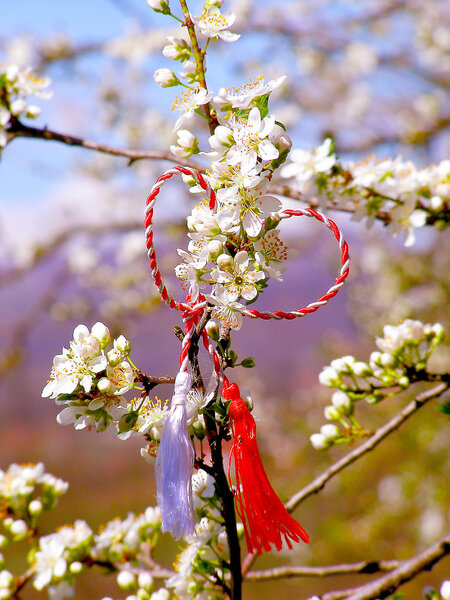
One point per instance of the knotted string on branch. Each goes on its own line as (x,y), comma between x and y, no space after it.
(266,521)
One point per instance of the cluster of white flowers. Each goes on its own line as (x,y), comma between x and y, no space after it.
(59,556)
(402,357)
(26,491)
(121,540)
(15,87)
(90,379)
(140,585)
(410,196)
(234,247)
(57,559)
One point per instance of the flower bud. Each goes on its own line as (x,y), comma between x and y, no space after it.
(342,364)
(122,344)
(199,428)
(224,261)
(128,421)
(104,385)
(438,330)
(248,400)
(445,590)
(6,583)
(76,567)
(332,413)
(360,369)
(190,67)
(318,441)
(3,541)
(177,49)
(387,360)
(114,357)
(145,581)
(329,432)
(215,247)
(35,508)
(222,542)
(17,107)
(403,381)
(126,580)
(101,332)
(212,329)
(19,528)
(328,376)
(33,112)
(161,6)
(375,358)
(155,434)
(165,78)
(342,402)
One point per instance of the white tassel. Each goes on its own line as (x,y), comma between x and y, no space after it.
(175,465)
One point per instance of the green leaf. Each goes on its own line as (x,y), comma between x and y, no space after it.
(263,104)
(444,408)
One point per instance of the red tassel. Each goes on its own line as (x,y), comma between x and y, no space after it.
(265,519)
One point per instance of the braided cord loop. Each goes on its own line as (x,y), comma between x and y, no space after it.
(334,289)
(187,308)
(153,263)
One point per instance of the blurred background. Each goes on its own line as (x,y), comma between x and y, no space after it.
(371,74)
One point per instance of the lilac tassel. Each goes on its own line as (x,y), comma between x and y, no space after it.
(175,465)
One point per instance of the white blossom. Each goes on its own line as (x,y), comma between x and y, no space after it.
(243,96)
(240,280)
(188,103)
(213,24)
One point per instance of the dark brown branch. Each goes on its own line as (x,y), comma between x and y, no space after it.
(222,487)
(387,584)
(149,382)
(18,129)
(363,567)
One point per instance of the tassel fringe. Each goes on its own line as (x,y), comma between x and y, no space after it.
(175,465)
(265,519)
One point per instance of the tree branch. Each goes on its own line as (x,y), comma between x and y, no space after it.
(387,584)
(367,566)
(392,425)
(315,486)
(18,129)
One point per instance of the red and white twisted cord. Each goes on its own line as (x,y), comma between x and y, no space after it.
(193,311)
(151,199)
(339,282)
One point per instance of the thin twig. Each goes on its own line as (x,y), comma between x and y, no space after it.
(367,446)
(199,57)
(387,584)
(363,567)
(18,129)
(318,483)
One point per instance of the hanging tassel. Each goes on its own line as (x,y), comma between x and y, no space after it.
(175,465)
(265,519)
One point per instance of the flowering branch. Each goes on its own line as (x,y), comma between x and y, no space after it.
(199,56)
(315,486)
(391,426)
